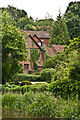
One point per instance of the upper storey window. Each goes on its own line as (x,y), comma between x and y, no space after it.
(39,44)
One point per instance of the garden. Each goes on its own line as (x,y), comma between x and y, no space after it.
(54,91)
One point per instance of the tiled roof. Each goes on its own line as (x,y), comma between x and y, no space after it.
(58,48)
(50,51)
(40,34)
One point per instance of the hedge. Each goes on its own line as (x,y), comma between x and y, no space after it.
(27,77)
(46,74)
(22,89)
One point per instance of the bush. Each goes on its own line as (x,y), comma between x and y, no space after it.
(22,89)
(64,87)
(26,83)
(27,77)
(46,74)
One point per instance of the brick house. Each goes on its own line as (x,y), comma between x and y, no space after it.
(39,39)
(31,43)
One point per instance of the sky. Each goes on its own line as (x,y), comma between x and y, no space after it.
(39,8)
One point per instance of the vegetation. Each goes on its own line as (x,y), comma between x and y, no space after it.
(37,87)
(13,48)
(46,74)
(59,32)
(41,104)
(29,77)
(58,97)
(71,16)
(35,54)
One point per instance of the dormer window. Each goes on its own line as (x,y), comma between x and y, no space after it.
(39,44)
(42,40)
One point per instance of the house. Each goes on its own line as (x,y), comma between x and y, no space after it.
(31,43)
(37,40)
(41,37)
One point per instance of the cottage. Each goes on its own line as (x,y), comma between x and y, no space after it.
(31,43)
(37,40)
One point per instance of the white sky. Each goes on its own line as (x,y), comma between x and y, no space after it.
(39,8)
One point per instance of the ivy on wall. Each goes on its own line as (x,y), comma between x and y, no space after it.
(34,57)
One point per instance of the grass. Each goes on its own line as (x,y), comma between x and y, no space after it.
(41,104)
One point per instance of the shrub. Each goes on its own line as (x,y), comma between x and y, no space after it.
(27,77)
(64,87)
(24,88)
(46,74)
(26,83)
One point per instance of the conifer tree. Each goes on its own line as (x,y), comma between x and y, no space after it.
(59,32)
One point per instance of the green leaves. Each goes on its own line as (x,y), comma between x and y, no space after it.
(72,19)
(34,54)
(59,33)
(13,47)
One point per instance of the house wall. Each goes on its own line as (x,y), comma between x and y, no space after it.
(27,64)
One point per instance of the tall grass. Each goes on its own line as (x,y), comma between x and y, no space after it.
(41,104)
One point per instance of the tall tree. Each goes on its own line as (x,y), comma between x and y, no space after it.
(59,32)
(15,13)
(72,17)
(13,48)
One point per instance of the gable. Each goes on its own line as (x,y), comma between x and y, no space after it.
(30,42)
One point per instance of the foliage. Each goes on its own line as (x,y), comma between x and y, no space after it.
(64,87)
(59,32)
(25,23)
(41,104)
(74,44)
(27,77)
(65,81)
(72,15)
(44,22)
(46,74)
(54,61)
(21,88)
(13,47)
(14,12)
(34,57)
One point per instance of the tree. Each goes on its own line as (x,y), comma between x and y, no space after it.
(15,13)
(25,23)
(59,32)
(72,17)
(13,48)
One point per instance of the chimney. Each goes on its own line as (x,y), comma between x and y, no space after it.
(48,28)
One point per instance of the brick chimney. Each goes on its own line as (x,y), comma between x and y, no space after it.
(48,28)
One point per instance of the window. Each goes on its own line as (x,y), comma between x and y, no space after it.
(39,43)
(44,45)
(26,66)
(42,40)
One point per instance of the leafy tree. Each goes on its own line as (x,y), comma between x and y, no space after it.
(22,22)
(72,17)
(15,13)
(20,17)
(59,32)
(13,48)
(25,23)
(74,44)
